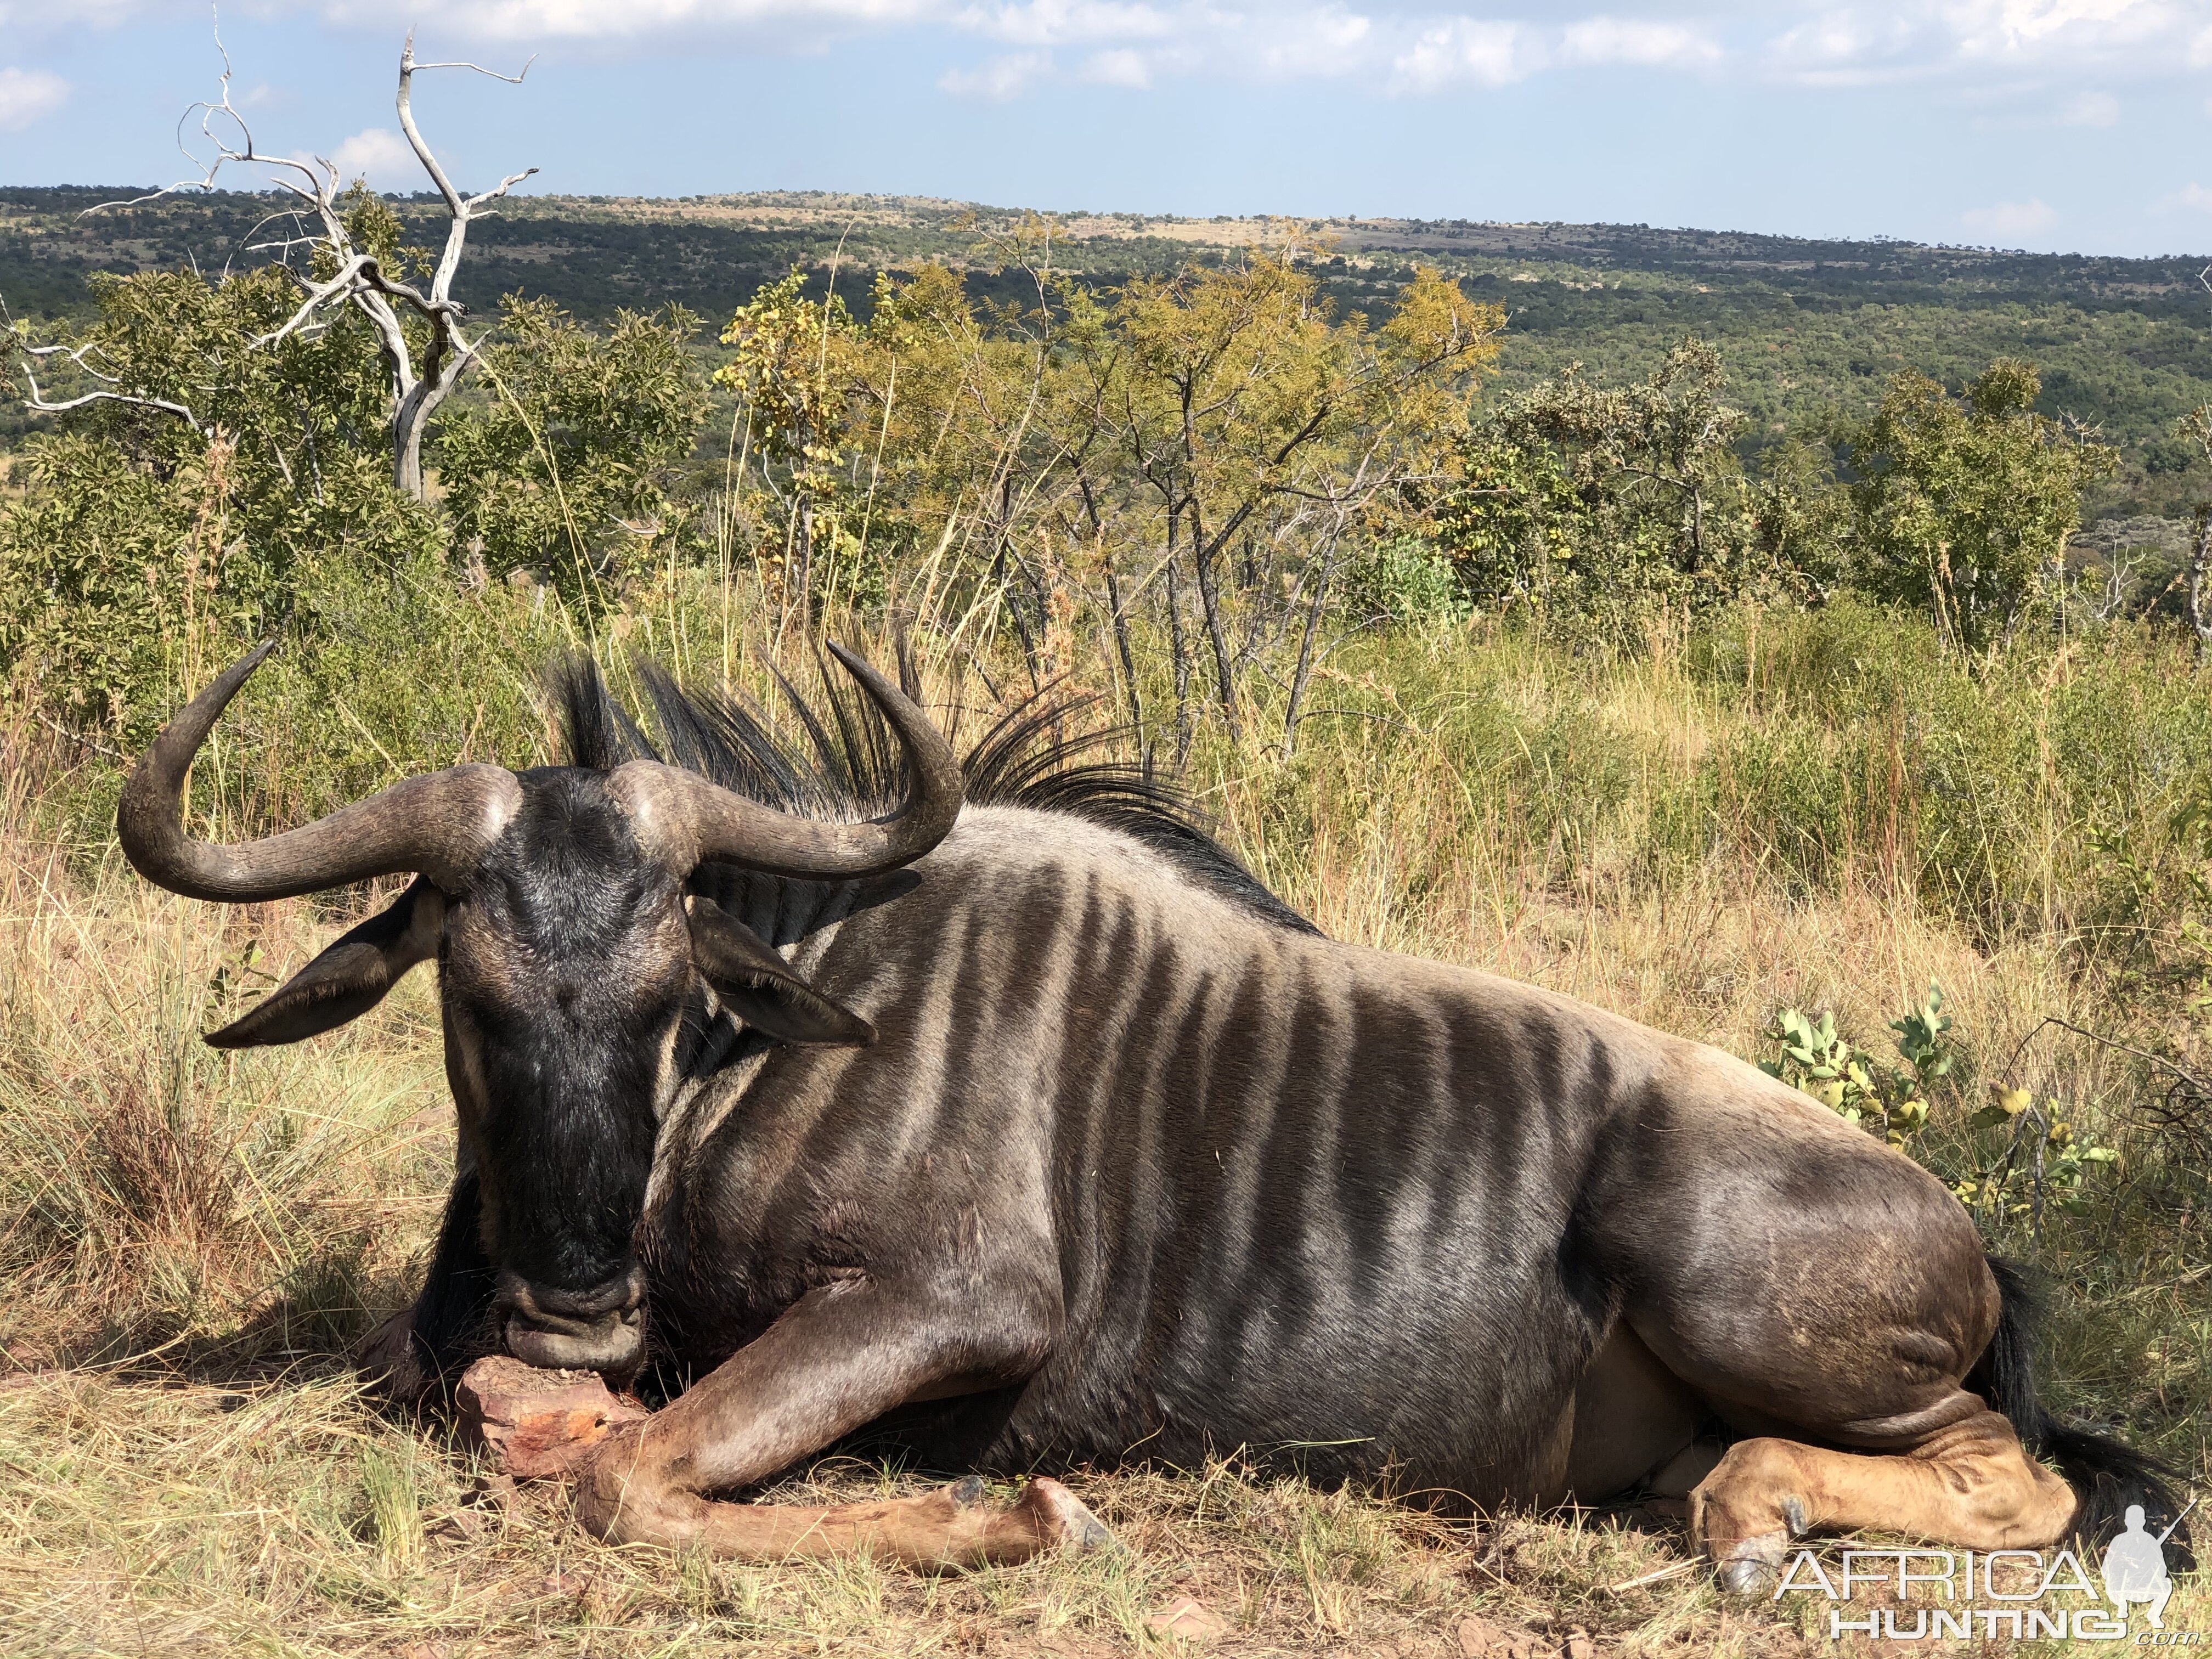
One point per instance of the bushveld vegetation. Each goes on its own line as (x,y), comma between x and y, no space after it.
(1552,680)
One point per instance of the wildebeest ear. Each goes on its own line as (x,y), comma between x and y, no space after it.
(758,987)
(349,979)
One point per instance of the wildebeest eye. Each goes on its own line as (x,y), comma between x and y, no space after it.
(347,980)
(758,987)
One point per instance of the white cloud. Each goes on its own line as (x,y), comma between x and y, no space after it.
(1315,45)
(1636,40)
(2092,109)
(1121,68)
(1416,45)
(1062,22)
(2011,218)
(381,156)
(1002,78)
(2191,195)
(28,95)
(1465,50)
(534,20)
(2077,58)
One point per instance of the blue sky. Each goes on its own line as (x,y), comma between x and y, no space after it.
(2061,124)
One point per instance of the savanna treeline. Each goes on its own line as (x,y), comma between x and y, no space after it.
(1205,478)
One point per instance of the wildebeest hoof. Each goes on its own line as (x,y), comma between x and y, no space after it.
(1753,1565)
(388,1363)
(1067,1523)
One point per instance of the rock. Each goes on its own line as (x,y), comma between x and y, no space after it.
(537,1424)
(460,1526)
(1480,1639)
(1187,1619)
(494,1491)
(1579,1645)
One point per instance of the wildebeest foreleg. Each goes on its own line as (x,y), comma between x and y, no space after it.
(1971,1484)
(839,1358)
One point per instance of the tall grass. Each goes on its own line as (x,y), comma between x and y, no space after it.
(157,1197)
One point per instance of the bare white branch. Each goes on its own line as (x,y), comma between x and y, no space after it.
(75,357)
(455,203)
(498,190)
(514,80)
(318,295)
(38,403)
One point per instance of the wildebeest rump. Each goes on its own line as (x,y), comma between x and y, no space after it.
(1035,1132)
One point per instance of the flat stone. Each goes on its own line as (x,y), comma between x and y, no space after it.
(1188,1619)
(1480,1639)
(537,1424)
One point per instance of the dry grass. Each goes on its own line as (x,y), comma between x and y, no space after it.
(286,1515)
(189,1242)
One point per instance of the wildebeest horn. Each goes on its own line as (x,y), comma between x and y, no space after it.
(437,824)
(687,820)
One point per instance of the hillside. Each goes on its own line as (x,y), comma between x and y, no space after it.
(1807,326)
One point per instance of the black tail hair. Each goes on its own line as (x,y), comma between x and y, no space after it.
(2107,1475)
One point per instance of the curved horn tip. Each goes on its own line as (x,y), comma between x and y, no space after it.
(253,658)
(237,674)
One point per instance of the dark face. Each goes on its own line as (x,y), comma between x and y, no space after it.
(565,975)
(572,964)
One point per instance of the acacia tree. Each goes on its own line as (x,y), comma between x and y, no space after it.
(1963,506)
(569,467)
(1253,422)
(1201,442)
(218,443)
(1584,496)
(2195,428)
(141,528)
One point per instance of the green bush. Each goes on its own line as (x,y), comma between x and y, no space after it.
(1404,579)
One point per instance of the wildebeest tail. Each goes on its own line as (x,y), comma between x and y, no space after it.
(2107,1475)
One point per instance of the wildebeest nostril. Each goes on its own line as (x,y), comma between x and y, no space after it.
(620,1297)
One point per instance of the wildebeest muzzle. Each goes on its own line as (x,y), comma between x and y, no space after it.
(602,1329)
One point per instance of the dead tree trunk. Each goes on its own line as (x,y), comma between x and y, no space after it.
(2200,560)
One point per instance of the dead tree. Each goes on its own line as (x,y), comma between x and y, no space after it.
(423,372)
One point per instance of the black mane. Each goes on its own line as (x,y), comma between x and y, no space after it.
(847,765)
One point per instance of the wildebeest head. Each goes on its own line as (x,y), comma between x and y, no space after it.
(553,902)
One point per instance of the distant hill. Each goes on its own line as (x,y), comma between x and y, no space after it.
(1807,326)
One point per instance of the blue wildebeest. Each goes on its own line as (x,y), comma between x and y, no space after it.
(1034,1132)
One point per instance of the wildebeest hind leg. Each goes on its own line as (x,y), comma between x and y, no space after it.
(1971,1484)
(838,1360)
(1821,1292)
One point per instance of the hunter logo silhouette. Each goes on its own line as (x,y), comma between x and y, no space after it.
(2135,1567)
